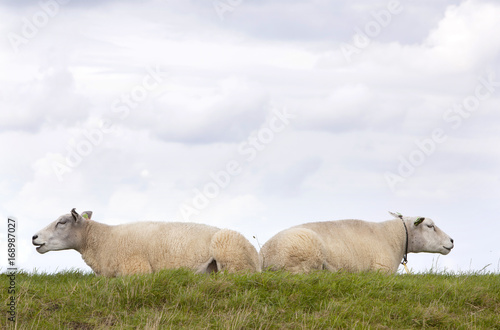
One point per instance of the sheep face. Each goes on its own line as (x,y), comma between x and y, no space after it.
(425,236)
(62,234)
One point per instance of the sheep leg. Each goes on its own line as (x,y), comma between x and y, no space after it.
(232,252)
(208,267)
(329,267)
(135,265)
(383,267)
(300,250)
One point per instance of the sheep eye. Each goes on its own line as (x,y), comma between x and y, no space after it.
(61,223)
(430,226)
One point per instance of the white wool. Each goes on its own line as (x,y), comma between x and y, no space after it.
(351,245)
(145,247)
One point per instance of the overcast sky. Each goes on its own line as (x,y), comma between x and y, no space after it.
(252,115)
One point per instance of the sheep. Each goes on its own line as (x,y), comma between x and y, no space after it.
(146,247)
(353,245)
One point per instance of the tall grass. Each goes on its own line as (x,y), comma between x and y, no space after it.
(181,299)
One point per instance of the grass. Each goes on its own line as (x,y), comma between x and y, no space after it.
(270,300)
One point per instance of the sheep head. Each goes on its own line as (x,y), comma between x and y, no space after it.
(425,236)
(62,234)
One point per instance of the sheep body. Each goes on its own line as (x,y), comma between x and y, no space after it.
(146,247)
(351,245)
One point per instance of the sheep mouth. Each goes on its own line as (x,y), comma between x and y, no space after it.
(38,245)
(448,249)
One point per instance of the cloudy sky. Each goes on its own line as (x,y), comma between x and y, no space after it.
(252,115)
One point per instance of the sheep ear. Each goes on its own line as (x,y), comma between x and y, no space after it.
(396,215)
(75,215)
(419,221)
(87,215)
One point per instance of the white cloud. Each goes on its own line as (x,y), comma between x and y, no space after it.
(466,37)
(46,96)
(228,111)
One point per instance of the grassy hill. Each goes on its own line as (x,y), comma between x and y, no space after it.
(181,299)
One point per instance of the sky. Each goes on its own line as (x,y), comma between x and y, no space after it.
(252,115)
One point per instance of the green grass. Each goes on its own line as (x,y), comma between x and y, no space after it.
(276,300)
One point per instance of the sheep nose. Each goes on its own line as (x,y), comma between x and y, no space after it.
(451,239)
(35,237)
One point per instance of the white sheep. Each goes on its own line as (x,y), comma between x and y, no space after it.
(353,245)
(145,247)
